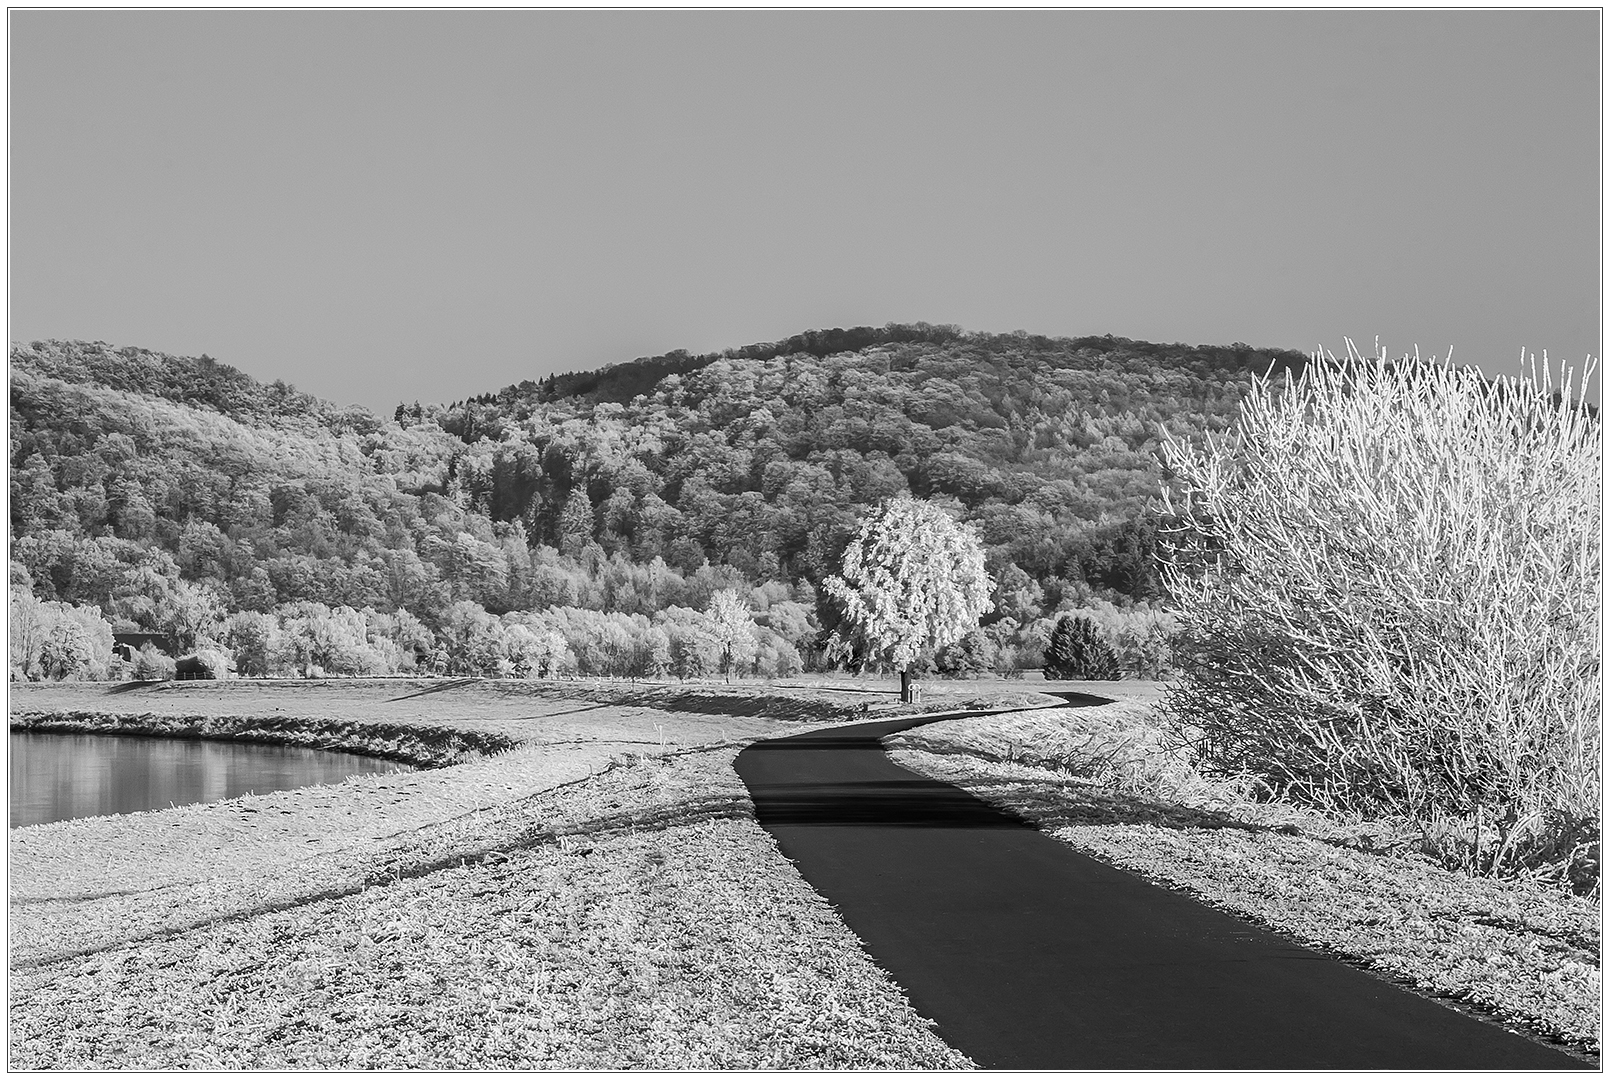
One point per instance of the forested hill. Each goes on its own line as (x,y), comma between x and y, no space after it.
(630,488)
(623,382)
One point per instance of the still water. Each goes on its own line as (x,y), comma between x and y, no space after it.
(56,777)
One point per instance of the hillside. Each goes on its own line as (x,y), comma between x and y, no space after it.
(627,489)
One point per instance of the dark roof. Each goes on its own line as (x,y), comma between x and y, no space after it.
(140,639)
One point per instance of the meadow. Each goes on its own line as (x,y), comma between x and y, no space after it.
(576,881)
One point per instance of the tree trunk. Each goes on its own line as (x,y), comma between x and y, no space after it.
(908,689)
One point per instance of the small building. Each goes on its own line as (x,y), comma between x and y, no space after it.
(128,646)
(208,665)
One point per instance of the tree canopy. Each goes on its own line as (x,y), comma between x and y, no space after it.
(913,581)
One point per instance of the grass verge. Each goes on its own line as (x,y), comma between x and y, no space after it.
(1103,781)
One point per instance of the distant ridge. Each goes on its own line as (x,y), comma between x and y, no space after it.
(624,381)
(196,381)
(621,382)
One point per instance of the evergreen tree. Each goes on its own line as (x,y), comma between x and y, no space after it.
(1077,651)
(576,523)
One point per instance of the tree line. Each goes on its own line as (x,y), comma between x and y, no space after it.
(138,479)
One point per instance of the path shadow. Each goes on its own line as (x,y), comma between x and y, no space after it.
(450,684)
(711,701)
(903,797)
(916,803)
(1085,804)
(1078,700)
(822,742)
(886,691)
(565,712)
(124,688)
(1050,805)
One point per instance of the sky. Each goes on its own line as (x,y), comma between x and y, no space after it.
(425,205)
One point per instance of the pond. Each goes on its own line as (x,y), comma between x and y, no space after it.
(56,777)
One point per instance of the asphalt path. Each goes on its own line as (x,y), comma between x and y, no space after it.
(1030,955)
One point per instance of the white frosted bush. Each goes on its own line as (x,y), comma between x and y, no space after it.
(152,664)
(1388,578)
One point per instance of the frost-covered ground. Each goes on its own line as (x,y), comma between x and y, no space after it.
(597,897)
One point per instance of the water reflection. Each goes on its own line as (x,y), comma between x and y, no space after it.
(56,777)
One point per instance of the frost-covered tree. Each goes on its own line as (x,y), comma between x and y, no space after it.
(254,638)
(913,581)
(652,659)
(29,628)
(152,664)
(190,614)
(731,625)
(65,652)
(53,640)
(693,653)
(316,640)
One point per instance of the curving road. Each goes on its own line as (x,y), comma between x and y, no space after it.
(1030,955)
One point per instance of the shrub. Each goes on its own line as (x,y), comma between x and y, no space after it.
(152,664)
(203,664)
(967,658)
(775,656)
(53,640)
(1009,661)
(536,652)
(254,637)
(693,656)
(693,653)
(1078,651)
(1144,643)
(315,640)
(65,652)
(1388,580)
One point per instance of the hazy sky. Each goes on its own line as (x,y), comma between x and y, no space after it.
(384,206)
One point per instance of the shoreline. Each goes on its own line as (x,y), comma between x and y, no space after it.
(478,750)
(407,746)
(489,934)
(158,710)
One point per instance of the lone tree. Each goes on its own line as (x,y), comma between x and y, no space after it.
(1077,651)
(913,581)
(732,626)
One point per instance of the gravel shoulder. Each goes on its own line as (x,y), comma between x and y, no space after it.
(1097,780)
(595,896)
